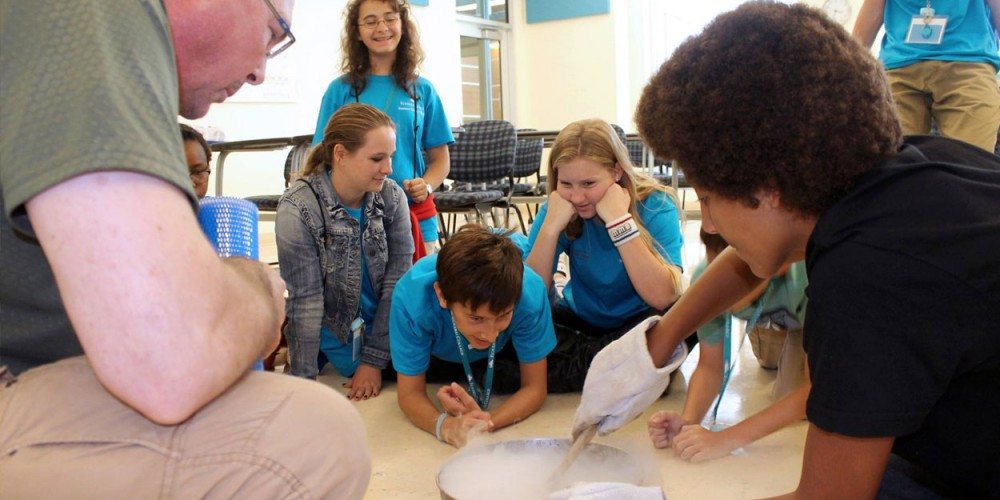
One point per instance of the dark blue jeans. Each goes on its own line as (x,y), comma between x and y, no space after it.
(905,481)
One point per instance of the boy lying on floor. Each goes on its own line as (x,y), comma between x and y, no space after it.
(474,313)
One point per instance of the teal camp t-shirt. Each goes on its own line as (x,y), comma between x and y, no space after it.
(432,129)
(784,306)
(599,289)
(369,299)
(420,328)
(969,35)
(338,353)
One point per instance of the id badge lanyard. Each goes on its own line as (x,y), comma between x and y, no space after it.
(727,346)
(927,13)
(926,28)
(482,396)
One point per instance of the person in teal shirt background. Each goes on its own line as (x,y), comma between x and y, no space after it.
(954,79)
(381,52)
(777,310)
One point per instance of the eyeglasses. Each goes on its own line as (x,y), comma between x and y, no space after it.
(371,22)
(201,174)
(288,38)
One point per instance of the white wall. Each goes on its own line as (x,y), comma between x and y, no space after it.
(565,69)
(594,66)
(313,62)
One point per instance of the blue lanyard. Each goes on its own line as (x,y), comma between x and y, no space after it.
(727,344)
(483,402)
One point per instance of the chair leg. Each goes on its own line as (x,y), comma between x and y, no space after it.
(480,211)
(443,231)
(520,220)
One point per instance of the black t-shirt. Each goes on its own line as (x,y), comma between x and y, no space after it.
(903,330)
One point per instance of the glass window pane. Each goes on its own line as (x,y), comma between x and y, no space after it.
(471,56)
(496,87)
(494,10)
(498,10)
(468,8)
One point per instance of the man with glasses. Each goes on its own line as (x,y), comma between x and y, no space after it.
(127,342)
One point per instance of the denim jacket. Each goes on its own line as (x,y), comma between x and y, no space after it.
(304,251)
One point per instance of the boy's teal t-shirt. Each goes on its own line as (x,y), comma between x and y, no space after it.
(785,304)
(420,328)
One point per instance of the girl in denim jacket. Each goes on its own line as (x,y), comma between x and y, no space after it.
(343,235)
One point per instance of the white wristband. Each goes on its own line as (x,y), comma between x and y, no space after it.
(617,221)
(438,424)
(627,238)
(621,228)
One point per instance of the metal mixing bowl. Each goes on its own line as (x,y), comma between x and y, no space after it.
(598,451)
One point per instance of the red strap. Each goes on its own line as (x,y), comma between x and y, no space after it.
(418,238)
(425,209)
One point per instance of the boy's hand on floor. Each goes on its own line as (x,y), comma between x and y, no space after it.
(663,426)
(456,400)
(456,430)
(366,383)
(698,444)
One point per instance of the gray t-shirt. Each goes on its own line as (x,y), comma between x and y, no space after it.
(87,85)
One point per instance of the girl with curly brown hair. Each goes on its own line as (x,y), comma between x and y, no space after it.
(381,51)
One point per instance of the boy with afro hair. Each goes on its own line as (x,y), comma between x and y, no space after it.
(785,126)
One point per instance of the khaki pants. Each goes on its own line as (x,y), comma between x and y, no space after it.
(269,436)
(963,97)
(781,349)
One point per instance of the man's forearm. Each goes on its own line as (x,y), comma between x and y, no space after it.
(255,311)
(141,294)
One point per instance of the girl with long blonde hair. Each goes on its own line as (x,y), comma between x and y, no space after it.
(620,230)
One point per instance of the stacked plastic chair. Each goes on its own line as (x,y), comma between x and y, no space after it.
(481,156)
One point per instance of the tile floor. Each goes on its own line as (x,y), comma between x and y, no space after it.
(406,460)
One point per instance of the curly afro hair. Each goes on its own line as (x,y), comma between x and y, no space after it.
(771,96)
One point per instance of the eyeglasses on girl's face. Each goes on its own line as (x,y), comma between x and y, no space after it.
(372,22)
